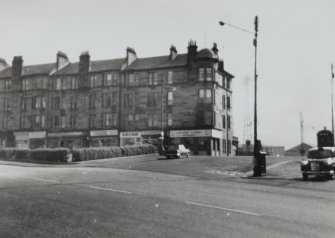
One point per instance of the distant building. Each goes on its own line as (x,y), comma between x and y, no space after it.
(248,150)
(125,101)
(298,150)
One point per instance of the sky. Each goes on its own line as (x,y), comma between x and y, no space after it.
(296,46)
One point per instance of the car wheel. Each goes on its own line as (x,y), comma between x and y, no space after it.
(178,156)
(332,176)
(187,155)
(305,177)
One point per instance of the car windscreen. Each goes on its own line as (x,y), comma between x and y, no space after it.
(319,154)
(173,147)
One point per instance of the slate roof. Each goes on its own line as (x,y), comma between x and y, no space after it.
(30,70)
(158,62)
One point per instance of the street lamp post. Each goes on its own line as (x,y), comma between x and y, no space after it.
(257,170)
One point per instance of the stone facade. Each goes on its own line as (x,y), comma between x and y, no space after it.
(125,101)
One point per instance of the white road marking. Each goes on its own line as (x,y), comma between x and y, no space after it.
(46,180)
(109,189)
(223,208)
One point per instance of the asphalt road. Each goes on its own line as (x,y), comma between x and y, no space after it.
(150,197)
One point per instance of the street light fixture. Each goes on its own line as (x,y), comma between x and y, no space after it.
(257,163)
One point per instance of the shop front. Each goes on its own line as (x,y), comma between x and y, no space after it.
(130,138)
(67,139)
(200,142)
(104,138)
(34,139)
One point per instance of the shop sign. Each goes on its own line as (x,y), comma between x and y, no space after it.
(103,133)
(196,133)
(37,135)
(21,135)
(30,135)
(130,134)
(60,134)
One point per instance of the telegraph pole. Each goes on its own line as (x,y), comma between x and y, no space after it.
(332,96)
(257,165)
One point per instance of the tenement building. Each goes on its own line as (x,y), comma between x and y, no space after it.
(180,98)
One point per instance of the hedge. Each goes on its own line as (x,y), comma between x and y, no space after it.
(56,155)
(76,154)
(94,153)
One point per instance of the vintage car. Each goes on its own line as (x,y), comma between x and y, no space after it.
(176,151)
(320,161)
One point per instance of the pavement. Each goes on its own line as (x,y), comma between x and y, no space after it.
(149,196)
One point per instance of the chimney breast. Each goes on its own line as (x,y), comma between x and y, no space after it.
(3,64)
(131,55)
(62,60)
(173,52)
(17,66)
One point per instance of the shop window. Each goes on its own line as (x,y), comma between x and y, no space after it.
(224,146)
(202,144)
(229,147)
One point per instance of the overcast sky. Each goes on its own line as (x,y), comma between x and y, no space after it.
(296,48)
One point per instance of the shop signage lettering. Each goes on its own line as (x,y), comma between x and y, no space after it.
(59,134)
(196,133)
(130,134)
(103,133)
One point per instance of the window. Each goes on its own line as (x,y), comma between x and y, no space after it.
(209,74)
(94,81)
(150,120)
(205,95)
(108,81)
(170,98)
(58,85)
(201,74)
(42,121)
(63,121)
(7,85)
(23,103)
(170,119)
(137,79)
(153,99)
(130,120)
(6,105)
(73,102)
(115,79)
(106,100)
(131,80)
(228,103)
(73,121)
(228,83)
(170,77)
(153,78)
(56,122)
(128,100)
(223,102)
(223,122)
(228,122)
(23,122)
(205,74)
(25,84)
(92,101)
(5,122)
(74,83)
(55,103)
(91,120)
